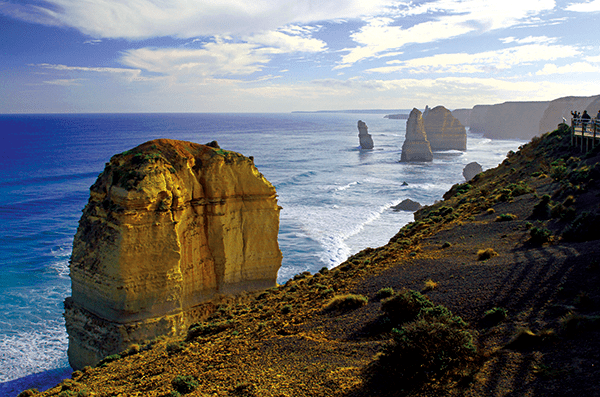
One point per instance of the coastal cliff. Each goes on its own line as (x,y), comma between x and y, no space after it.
(416,146)
(169,225)
(444,131)
(509,120)
(562,107)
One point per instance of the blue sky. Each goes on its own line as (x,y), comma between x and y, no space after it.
(285,55)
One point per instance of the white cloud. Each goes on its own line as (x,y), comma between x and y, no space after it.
(222,58)
(64,82)
(458,18)
(131,74)
(589,6)
(139,19)
(481,62)
(530,40)
(577,67)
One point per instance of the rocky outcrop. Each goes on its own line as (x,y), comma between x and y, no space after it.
(169,225)
(562,107)
(366,142)
(407,205)
(509,120)
(444,131)
(463,115)
(416,146)
(471,170)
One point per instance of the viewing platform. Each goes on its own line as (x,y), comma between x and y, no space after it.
(585,133)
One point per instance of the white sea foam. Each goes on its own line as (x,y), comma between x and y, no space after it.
(42,347)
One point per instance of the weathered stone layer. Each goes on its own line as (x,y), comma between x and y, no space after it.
(416,146)
(444,131)
(168,226)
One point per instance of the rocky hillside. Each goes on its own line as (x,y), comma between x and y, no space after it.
(492,291)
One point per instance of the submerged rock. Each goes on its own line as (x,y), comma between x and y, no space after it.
(416,146)
(444,131)
(471,170)
(169,225)
(366,142)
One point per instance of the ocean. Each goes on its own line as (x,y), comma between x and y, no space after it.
(336,201)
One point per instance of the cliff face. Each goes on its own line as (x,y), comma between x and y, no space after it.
(366,142)
(416,146)
(463,115)
(168,226)
(561,107)
(444,131)
(509,120)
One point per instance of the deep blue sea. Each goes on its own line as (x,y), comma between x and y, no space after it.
(336,201)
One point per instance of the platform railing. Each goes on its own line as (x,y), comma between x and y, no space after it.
(585,132)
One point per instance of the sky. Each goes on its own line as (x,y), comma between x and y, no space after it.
(70,56)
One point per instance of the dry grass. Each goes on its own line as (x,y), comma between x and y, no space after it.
(483,255)
(430,285)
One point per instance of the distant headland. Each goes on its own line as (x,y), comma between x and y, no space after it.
(363,111)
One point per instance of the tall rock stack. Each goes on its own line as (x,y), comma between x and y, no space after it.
(444,131)
(366,142)
(169,225)
(416,146)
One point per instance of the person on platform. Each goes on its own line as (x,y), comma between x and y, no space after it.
(585,119)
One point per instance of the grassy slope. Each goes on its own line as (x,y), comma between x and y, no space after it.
(282,342)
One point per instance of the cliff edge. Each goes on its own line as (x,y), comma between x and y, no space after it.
(169,225)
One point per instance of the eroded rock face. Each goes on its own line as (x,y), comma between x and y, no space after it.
(416,146)
(168,226)
(444,131)
(471,170)
(562,107)
(366,142)
(509,120)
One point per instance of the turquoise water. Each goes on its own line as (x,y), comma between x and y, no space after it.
(336,201)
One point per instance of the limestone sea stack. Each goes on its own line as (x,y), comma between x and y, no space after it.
(416,146)
(444,131)
(471,170)
(366,142)
(169,225)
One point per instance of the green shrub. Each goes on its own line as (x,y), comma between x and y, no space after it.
(346,302)
(447,244)
(558,173)
(426,349)
(542,210)
(185,384)
(494,316)
(505,217)
(109,359)
(286,309)
(539,235)
(384,293)
(204,329)
(405,306)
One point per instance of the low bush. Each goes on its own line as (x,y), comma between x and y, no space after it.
(431,345)
(346,302)
(539,235)
(494,316)
(430,285)
(543,209)
(184,384)
(108,359)
(505,217)
(405,306)
(205,329)
(384,293)
(483,255)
